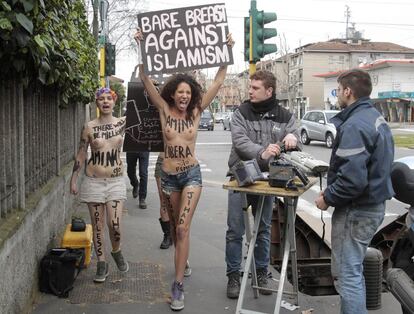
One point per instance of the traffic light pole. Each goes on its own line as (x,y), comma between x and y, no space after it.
(102,66)
(252,63)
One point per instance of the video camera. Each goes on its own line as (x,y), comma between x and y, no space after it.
(283,170)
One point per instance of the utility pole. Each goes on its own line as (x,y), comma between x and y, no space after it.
(347,16)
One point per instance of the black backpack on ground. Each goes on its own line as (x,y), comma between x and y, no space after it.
(59,269)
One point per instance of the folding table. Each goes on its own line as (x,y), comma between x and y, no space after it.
(262,188)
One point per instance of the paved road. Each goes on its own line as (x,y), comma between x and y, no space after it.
(205,289)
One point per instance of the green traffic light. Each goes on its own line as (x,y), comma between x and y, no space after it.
(258,34)
(263,33)
(109,59)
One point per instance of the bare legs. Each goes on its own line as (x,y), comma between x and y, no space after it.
(183,205)
(163,202)
(113,220)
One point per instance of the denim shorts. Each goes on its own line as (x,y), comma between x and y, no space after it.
(177,182)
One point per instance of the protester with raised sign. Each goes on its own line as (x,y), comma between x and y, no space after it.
(181,103)
(103,188)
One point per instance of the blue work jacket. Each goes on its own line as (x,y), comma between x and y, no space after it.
(362,157)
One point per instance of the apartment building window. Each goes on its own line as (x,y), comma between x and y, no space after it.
(335,60)
(375,56)
(300,90)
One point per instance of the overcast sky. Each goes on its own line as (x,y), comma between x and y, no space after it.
(305,21)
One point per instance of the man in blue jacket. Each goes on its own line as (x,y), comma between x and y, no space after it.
(358,185)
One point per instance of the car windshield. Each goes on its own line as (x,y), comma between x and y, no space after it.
(330,115)
(206,115)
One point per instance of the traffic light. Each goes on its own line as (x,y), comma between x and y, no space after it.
(109,59)
(263,33)
(255,34)
(247,37)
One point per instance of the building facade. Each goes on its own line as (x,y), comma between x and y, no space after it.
(306,91)
(392,88)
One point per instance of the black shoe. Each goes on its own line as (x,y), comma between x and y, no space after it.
(233,285)
(262,281)
(142,203)
(166,242)
(135,191)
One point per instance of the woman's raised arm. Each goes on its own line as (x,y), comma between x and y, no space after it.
(218,80)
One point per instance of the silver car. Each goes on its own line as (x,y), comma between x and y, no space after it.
(316,126)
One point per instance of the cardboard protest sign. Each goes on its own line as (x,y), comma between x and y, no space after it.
(143,128)
(182,39)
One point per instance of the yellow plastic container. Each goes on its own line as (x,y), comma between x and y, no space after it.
(79,240)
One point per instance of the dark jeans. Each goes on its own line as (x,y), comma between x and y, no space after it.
(235,231)
(143,159)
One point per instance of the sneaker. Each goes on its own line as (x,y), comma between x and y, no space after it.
(120,262)
(135,191)
(142,203)
(102,271)
(177,296)
(262,281)
(233,285)
(187,270)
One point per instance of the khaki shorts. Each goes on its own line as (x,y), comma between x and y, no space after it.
(102,190)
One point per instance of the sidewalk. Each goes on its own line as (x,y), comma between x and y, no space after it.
(401,125)
(145,288)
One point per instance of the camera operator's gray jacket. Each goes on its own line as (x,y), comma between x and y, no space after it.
(252,132)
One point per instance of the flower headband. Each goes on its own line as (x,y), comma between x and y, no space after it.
(105,90)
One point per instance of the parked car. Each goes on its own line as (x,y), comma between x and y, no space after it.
(316,126)
(219,116)
(227,121)
(206,121)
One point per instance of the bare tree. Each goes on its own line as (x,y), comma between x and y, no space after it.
(284,81)
(122,21)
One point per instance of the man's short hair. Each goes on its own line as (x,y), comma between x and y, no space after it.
(267,77)
(358,81)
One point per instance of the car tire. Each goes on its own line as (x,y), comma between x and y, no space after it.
(329,140)
(304,138)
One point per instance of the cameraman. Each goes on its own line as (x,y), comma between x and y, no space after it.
(256,126)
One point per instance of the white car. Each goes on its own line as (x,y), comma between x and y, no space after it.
(316,126)
(227,121)
(219,116)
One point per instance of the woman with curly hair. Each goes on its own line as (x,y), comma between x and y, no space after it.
(180,104)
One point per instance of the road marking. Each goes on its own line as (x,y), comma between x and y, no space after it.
(217,143)
(405,130)
(212,182)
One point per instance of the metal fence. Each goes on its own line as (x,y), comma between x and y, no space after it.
(37,138)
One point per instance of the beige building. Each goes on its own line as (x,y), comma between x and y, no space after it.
(306,91)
